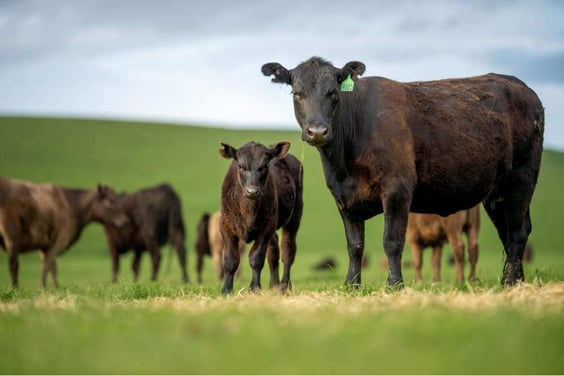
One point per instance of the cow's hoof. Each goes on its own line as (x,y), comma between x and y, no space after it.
(394,284)
(512,273)
(285,287)
(226,290)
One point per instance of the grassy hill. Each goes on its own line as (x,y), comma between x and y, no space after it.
(130,155)
(91,326)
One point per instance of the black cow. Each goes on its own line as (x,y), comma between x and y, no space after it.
(155,218)
(427,147)
(262,192)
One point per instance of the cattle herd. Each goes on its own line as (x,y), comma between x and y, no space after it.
(425,154)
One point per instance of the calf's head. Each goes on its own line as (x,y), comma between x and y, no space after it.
(106,208)
(316,89)
(253,160)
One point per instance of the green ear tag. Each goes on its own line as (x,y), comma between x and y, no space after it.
(347,84)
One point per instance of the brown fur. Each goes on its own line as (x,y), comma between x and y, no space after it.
(155,218)
(261,192)
(431,230)
(210,243)
(49,218)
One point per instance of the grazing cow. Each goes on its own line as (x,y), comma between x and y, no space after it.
(155,218)
(49,218)
(262,192)
(210,243)
(431,230)
(427,147)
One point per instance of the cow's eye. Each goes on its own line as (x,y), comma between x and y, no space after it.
(332,94)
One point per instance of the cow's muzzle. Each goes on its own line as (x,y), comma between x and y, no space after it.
(317,134)
(251,191)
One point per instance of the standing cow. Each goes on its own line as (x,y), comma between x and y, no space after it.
(155,218)
(50,218)
(432,230)
(262,192)
(427,147)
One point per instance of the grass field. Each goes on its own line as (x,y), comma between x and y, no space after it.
(90,326)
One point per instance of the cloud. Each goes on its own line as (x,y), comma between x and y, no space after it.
(200,61)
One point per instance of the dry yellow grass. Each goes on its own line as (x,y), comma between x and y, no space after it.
(532,298)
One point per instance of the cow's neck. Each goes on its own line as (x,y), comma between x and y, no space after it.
(339,154)
(80,202)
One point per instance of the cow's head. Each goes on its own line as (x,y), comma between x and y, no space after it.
(106,208)
(253,161)
(316,88)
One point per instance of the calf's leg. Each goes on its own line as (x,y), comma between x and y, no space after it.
(436,262)
(473,251)
(417,254)
(257,256)
(289,248)
(230,262)
(273,257)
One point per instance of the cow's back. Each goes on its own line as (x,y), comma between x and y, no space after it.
(155,210)
(39,215)
(466,136)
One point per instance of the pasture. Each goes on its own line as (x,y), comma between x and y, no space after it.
(92,326)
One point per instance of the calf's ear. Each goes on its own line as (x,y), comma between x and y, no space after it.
(352,68)
(228,151)
(279,151)
(281,74)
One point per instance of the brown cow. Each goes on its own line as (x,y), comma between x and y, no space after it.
(50,218)
(262,192)
(431,230)
(210,243)
(425,147)
(155,218)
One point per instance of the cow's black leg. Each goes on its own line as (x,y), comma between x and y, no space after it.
(230,262)
(289,248)
(13,264)
(257,256)
(273,257)
(136,265)
(155,252)
(519,230)
(354,231)
(181,252)
(115,264)
(513,229)
(396,212)
(199,266)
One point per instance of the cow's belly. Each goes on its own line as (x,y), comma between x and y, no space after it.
(446,200)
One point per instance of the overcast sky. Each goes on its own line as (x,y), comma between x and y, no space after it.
(199,61)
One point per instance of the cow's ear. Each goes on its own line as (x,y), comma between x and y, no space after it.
(353,69)
(281,74)
(280,150)
(228,151)
(100,188)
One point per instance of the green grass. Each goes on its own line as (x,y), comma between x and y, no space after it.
(90,326)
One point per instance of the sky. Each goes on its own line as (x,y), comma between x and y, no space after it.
(198,62)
